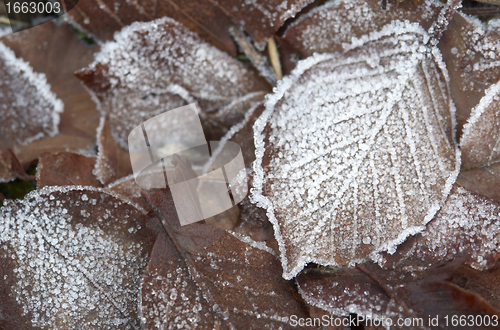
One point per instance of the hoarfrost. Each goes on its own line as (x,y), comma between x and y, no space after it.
(158,66)
(355,146)
(71,268)
(30,110)
(480,142)
(467,226)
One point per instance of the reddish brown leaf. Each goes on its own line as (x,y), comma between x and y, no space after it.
(356,151)
(211,265)
(102,18)
(480,145)
(65,169)
(56,52)
(467,226)
(261,18)
(113,162)
(71,258)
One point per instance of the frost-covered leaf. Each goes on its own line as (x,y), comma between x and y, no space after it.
(102,18)
(467,228)
(54,51)
(356,151)
(158,66)
(469,47)
(113,163)
(229,284)
(480,146)
(72,258)
(28,106)
(65,169)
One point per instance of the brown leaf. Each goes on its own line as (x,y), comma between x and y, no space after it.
(65,169)
(71,258)
(154,67)
(211,279)
(468,46)
(467,226)
(377,295)
(30,110)
(484,283)
(356,151)
(113,162)
(480,146)
(102,18)
(261,18)
(41,46)
(465,229)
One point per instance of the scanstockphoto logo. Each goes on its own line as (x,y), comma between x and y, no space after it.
(25,14)
(205,178)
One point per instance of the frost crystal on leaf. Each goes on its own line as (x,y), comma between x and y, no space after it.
(356,151)
(158,66)
(76,257)
(28,108)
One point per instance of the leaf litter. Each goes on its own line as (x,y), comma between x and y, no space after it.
(374,153)
(200,276)
(76,257)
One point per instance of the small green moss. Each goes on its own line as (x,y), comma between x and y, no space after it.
(17,189)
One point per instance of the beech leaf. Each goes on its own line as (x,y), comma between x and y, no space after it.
(30,110)
(480,145)
(356,151)
(65,169)
(113,163)
(74,257)
(54,52)
(214,281)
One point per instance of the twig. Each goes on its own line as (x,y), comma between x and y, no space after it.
(441,23)
(275,57)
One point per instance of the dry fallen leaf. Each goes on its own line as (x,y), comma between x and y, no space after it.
(65,169)
(480,145)
(356,151)
(72,258)
(208,278)
(39,47)
(113,163)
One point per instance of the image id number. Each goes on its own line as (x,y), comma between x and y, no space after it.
(33,7)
